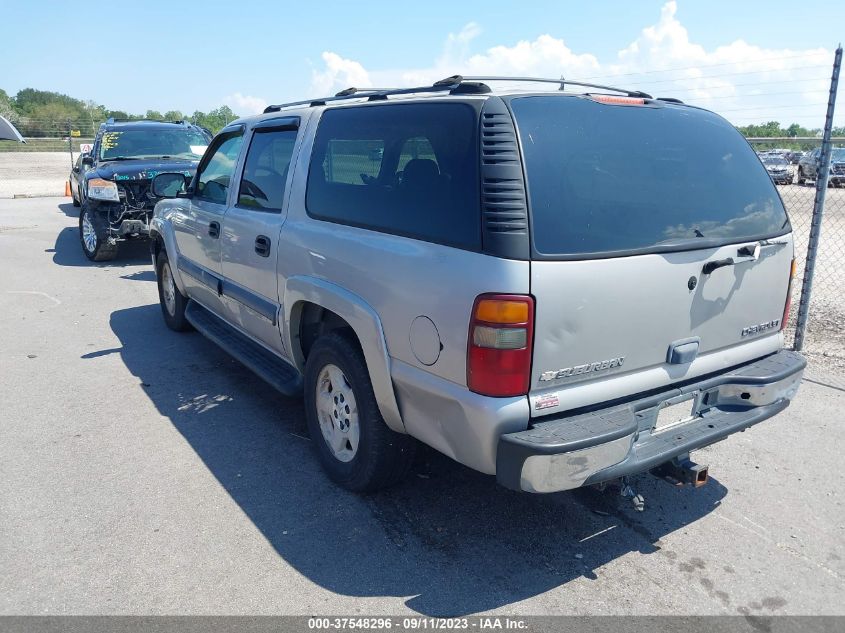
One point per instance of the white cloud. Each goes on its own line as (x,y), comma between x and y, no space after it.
(244,105)
(339,73)
(736,79)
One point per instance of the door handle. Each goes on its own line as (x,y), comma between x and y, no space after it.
(709,267)
(214,229)
(262,245)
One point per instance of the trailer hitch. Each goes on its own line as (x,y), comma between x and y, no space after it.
(682,471)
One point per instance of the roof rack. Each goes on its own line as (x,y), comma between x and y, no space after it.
(562,82)
(373,94)
(453,84)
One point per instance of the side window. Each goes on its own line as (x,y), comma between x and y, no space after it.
(214,176)
(266,170)
(353,162)
(404,169)
(415,148)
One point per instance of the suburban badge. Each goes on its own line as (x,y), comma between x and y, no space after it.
(581,369)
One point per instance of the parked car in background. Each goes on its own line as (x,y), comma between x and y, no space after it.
(794,157)
(77,175)
(424,272)
(114,179)
(779,169)
(810,164)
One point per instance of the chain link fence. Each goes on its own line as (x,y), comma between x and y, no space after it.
(48,144)
(792,164)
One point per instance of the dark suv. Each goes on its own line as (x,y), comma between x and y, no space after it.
(809,165)
(115,194)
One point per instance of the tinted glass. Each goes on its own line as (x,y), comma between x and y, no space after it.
(266,170)
(153,143)
(606,178)
(407,169)
(215,175)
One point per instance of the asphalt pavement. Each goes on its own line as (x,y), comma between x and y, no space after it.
(145,472)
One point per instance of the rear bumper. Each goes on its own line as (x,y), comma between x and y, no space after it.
(569,452)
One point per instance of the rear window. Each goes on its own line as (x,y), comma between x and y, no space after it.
(404,169)
(610,178)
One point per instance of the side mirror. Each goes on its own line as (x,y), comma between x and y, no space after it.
(76,169)
(88,160)
(169,185)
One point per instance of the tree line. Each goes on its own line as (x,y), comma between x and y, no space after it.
(774,129)
(41,113)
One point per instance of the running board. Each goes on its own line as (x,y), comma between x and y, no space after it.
(267,365)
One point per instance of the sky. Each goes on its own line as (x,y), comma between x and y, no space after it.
(750,61)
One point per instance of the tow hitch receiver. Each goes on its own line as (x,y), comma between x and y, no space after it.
(682,471)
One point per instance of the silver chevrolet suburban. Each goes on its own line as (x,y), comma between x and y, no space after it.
(559,288)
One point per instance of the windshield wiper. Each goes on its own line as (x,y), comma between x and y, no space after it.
(110,158)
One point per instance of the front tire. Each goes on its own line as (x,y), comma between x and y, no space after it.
(94,239)
(355,446)
(173,302)
(801,178)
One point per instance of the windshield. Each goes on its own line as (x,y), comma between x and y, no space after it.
(774,161)
(610,178)
(153,143)
(837,154)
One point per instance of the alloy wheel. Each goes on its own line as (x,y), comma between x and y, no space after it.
(337,413)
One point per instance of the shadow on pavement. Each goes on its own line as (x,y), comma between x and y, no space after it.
(448,539)
(68,209)
(68,252)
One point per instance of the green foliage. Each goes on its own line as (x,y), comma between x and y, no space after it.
(774,129)
(6,109)
(214,120)
(40,113)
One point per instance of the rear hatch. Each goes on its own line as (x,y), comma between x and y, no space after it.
(654,227)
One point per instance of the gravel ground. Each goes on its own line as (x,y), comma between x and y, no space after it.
(33,173)
(825,339)
(145,472)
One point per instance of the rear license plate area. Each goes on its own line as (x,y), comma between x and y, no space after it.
(672,415)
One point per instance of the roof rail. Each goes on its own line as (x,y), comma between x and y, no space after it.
(455,83)
(374,94)
(562,82)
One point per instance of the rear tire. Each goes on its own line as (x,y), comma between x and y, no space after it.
(94,237)
(74,199)
(173,302)
(355,447)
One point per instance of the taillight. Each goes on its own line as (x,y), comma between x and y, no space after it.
(788,304)
(501,335)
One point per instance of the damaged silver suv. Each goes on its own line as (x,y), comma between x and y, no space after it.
(538,284)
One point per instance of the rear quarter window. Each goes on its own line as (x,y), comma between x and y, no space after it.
(606,179)
(404,169)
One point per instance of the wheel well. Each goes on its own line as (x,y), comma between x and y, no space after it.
(314,322)
(157,245)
